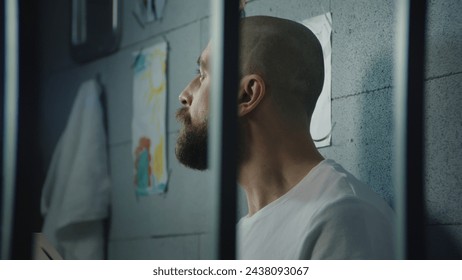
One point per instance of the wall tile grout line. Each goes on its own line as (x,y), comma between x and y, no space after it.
(160,236)
(443,76)
(362,92)
(431,78)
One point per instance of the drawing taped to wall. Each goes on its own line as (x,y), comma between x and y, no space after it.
(149,120)
(321,123)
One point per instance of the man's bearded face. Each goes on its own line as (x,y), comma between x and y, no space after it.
(191,145)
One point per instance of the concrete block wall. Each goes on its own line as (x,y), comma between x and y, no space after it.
(175,225)
(443,141)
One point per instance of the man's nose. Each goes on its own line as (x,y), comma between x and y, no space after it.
(185,97)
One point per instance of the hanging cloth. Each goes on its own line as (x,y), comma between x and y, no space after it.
(75,197)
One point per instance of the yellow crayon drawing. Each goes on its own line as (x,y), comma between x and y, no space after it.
(149,115)
(159,160)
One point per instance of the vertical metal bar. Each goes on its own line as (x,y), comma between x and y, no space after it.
(10,123)
(415,128)
(400,72)
(79,22)
(409,153)
(115,14)
(223,120)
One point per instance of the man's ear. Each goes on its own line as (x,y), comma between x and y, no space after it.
(251,92)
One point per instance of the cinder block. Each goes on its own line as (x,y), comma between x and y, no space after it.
(444,38)
(155,248)
(362,139)
(443,142)
(362,45)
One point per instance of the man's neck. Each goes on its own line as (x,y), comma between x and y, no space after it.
(275,167)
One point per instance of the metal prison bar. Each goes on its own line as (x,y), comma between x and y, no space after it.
(409,129)
(9,133)
(223,122)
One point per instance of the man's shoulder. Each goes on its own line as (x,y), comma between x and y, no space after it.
(330,185)
(330,181)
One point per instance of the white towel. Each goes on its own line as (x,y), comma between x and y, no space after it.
(75,197)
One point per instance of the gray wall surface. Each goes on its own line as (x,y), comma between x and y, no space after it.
(175,225)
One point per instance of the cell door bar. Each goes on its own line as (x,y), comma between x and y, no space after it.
(10,128)
(223,121)
(409,129)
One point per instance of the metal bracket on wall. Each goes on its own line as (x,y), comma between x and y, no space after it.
(95,28)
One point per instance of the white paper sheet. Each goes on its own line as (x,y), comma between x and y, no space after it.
(149,120)
(321,122)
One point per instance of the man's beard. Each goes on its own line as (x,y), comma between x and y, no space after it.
(191,145)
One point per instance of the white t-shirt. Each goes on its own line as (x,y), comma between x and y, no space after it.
(329,214)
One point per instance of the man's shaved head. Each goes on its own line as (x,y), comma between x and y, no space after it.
(282,73)
(288,56)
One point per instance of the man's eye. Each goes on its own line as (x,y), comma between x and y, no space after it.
(201,76)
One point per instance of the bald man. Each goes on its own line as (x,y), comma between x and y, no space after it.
(301,206)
